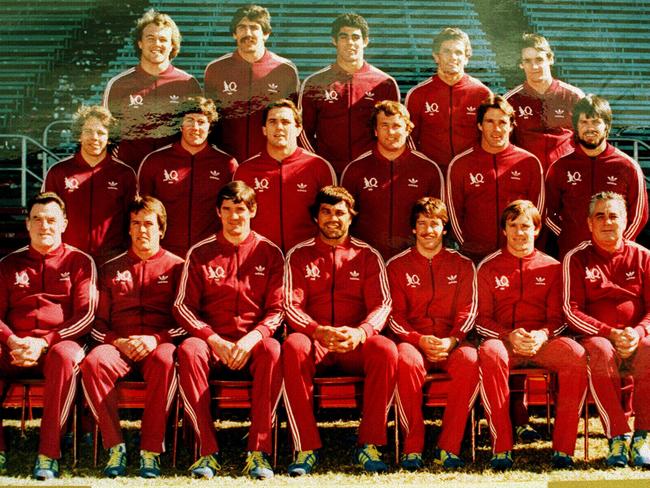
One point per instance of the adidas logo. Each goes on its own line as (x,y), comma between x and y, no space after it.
(162,279)
(259,270)
(413,182)
(174,99)
(112,185)
(354,275)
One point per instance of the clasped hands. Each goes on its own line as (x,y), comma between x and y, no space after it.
(26,351)
(527,343)
(436,349)
(339,339)
(625,341)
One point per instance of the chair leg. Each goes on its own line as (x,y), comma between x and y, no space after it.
(95,444)
(547,379)
(586,429)
(175,433)
(396,416)
(74,434)
(276,427)
(23,410)
(473,437)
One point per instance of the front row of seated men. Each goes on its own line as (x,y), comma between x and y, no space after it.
(231,296)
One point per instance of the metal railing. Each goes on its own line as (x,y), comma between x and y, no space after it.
(23,144)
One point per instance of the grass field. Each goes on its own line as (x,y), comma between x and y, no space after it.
(532,462)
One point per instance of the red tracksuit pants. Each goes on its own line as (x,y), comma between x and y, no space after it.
(99,373)
(412,368)
(605,383)
(196,360)
(563,356)
(302,358)
(60,368)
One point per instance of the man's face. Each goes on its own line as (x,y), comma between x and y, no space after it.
(46,224)
(350,44)
(536,65)
(495,129)
(195,129)
(249,36)
(235,218)
(334,220)
(520,235)
(451,58)
(145,232)
(156,44)
(607,223)
(429,232)
(591,132)
(391,131)
(281,129)
(93,138)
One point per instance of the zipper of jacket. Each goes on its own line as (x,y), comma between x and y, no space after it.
(90,214)
(496,185)
(521,292)
(189,208)
(141,307)
(451,109)
(350,119)
(281,210)
(333,282)
(390,209)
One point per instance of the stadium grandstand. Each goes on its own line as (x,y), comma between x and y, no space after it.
(60,53)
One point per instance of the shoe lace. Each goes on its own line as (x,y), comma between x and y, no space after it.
(149,460)
(208,461)
(412,456)
(3,459)
(115,457)
(44,462)
(371,452)
(618,447)
(305,457)
(502,455)
(254,460)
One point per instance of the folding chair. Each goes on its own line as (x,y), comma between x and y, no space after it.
(131,395)
(539,389)
(27,394)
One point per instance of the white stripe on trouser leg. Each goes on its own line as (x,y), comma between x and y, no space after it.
(295,435)
(488,410)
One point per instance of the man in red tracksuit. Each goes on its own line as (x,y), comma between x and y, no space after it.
(388,179)
(244,82)
(593,166)
(145,98)
(520,317)
(434,306)
(48,298)
(337,101)
(230,302)
(443,107)
(187,176)
(285,178)
(135,328)
(607,302)
(95,187)
(336,301)
(484,179)
(543,104)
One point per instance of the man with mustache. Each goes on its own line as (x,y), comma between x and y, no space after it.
(593,166)
(244,82)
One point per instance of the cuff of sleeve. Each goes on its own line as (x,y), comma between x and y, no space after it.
(310,329)
(458,334)
(52,338)
(413,338)
(4,336)
(163,337)
(110,337)
(641,331)
(368,329)
(605,331)
(205,332)
(263,330)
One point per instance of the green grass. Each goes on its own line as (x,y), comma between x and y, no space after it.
(532,462)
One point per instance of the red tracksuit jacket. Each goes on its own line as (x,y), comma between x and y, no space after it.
(336,286)
(188,186)
(432,296)
(146,107)
(573,179)
(230,290)
(543,121)
(241,91)
(519,292)
(52,296)
(336,109)
(480,185)
(136,297)
(604,292)
(384,192)
(96,200)
(284,191)
(445,116)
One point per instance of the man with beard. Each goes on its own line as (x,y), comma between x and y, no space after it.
(592,167)
(244,82)
(337,302)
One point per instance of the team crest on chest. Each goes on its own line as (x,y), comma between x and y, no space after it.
(330,96)
(123,277)
(71,184)
(370,183)
(170,176)
(431,108)
(229,87)
(261,184)
(136,101)
(412,280)
(592,274)
(573,178)
(501,282)
(312,272)
(217,273)
(525,112)
(476,180)
(22,279)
